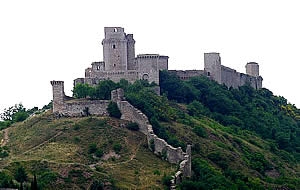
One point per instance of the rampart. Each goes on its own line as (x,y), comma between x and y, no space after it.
(161,147)
(70,107)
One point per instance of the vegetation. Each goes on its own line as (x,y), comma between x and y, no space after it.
(242,139)
(113,110)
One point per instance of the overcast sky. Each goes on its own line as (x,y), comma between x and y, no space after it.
(42,41)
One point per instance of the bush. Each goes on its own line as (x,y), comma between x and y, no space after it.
(200,131)
(113,110)
(117,147)
(92,148)
(166,180)
(99,153)
(133,126)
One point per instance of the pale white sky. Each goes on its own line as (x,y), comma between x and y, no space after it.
(43,40)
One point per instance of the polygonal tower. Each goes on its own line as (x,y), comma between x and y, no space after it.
(252,69)
(212,65)
(118,49)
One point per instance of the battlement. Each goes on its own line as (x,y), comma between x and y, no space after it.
(57,83)
(152,56)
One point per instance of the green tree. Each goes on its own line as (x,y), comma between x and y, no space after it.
(21,176)
(34,185)
(113,110)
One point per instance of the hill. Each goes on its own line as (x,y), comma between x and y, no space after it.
(80,153)
(242,139)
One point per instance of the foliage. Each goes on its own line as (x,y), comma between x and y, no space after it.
(14,113)
(132,126)
(96,185)
(113,110)
(259,111)
(117,147)
(21,176)
(3,152)
(6,181)
(92,148)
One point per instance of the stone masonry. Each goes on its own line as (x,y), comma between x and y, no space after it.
(173,155)
(67,106)
(120,62)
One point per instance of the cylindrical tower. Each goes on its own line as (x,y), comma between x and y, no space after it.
(252,69)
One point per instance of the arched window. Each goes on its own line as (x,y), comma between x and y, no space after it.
(115,30)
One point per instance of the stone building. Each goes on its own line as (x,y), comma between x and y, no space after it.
(120,61)
(222,74)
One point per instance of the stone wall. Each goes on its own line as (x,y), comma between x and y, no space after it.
(67,106)
(187,74)
(80,107)
(232,78)
(161,147)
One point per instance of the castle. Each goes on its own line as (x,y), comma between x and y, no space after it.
(120,63)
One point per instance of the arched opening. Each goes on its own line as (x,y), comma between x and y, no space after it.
(115,30)
(145,76)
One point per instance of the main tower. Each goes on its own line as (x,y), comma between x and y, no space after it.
(118,49)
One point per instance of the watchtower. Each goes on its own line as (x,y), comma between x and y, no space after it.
(58,95)
(252,69)
(212,65)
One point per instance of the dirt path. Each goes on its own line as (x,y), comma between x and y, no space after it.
(39,145)
(5,137)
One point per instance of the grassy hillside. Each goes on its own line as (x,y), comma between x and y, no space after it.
(242,139)
(60,152)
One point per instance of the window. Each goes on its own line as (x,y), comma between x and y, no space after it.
(98,67)
(208,73)
(115,30)
(114,46)
(114,65)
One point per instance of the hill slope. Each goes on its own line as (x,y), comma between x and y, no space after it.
(242,139)
(60,152)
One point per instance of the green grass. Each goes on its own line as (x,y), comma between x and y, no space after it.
(58,149)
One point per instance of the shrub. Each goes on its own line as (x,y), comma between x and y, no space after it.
(113,110)
(117,147)
(200,131)
(152,145)
(92,148)
(99,153)
(133,126)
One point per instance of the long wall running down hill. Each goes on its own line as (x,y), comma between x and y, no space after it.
(67,106)
(173,155)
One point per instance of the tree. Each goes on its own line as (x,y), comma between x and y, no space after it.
(10,113)
(21,176)
(113,110)
(34,185)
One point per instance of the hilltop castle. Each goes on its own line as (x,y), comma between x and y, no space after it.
(120,62)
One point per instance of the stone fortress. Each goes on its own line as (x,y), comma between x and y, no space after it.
(120,63)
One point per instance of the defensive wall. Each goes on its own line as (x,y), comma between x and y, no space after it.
(161,147)
(67,106)
(70,107)
(214,70)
